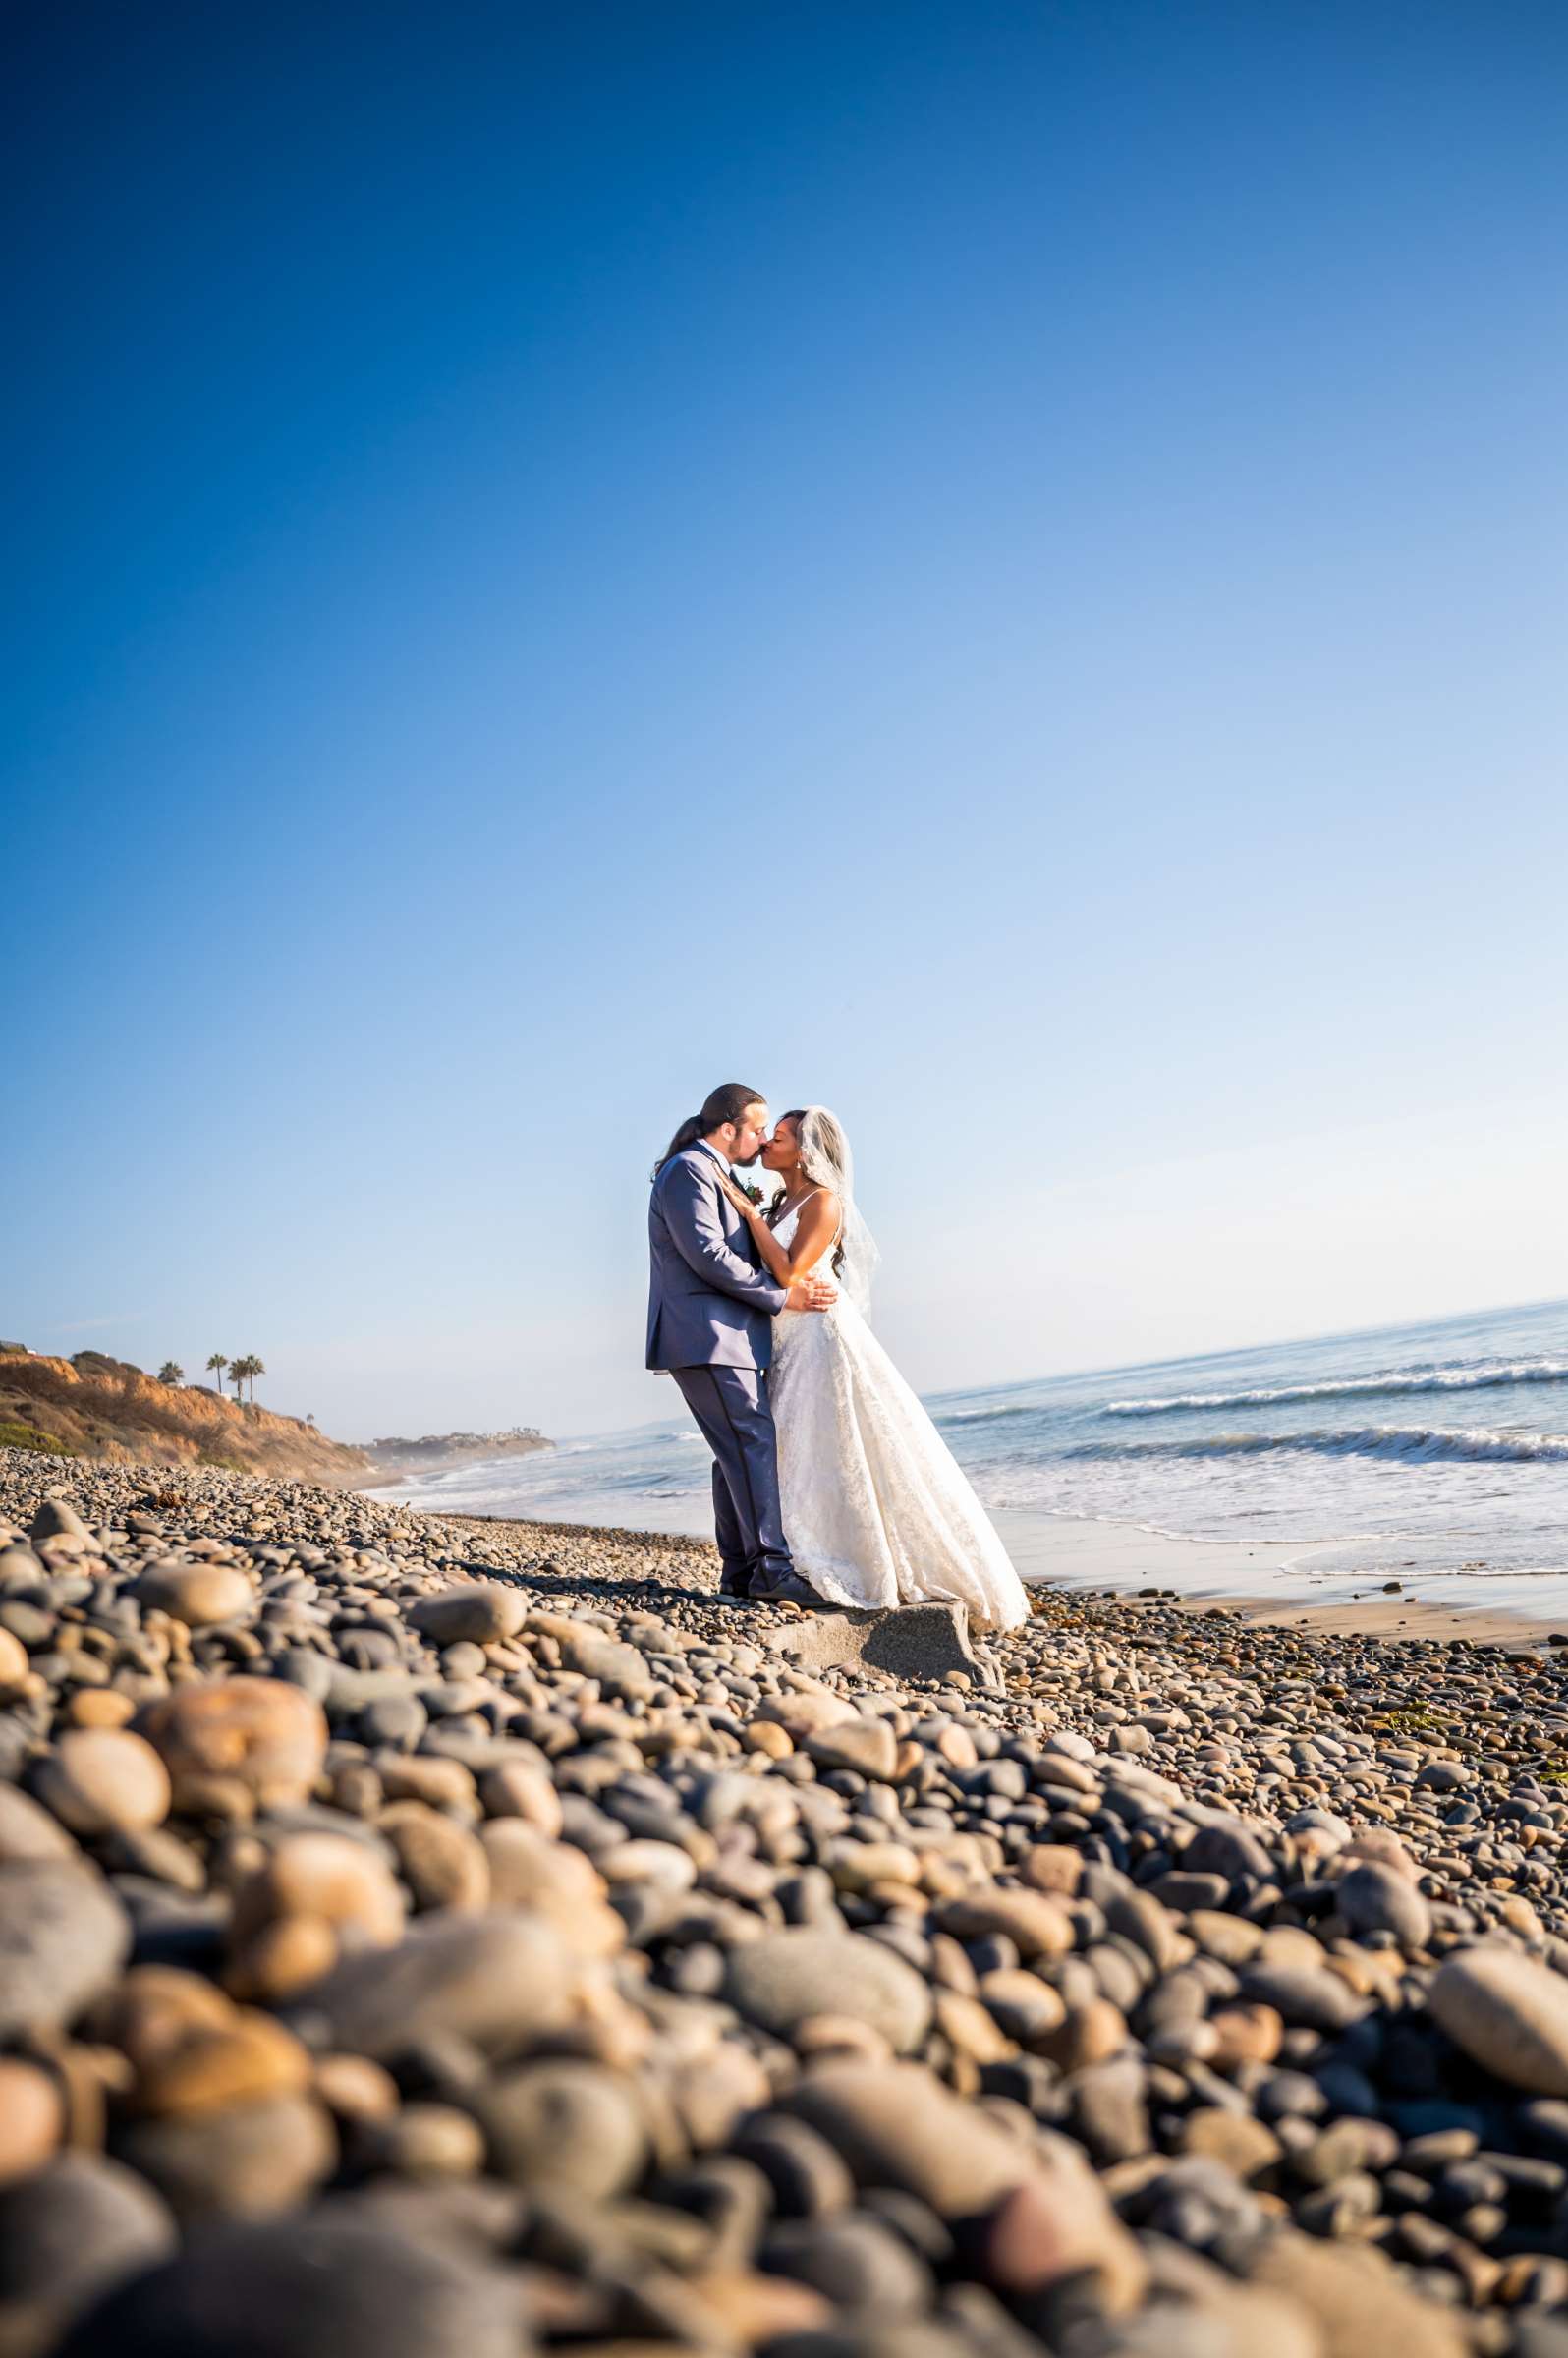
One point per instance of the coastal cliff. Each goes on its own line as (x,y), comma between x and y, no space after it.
(109,1410)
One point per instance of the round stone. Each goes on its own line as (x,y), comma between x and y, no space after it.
(229,2063)
(344,1882)
(240,2159)
(63,1938)
(1508,2014)
(68,2233)
(31,2118)
(1377,1899)
(440,1861)
(259,1733)
(104,1780)
(14,1662)
(28,1832)
(786,1977)
(481,1615)
(317,2287)
(201,1596)
(567,2124)
(497,1980)
(869,1747)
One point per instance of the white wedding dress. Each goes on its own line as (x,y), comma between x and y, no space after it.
(876,1512)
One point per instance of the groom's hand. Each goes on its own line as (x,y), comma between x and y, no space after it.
(811,1293)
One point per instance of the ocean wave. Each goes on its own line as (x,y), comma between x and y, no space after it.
(1422,1444)
(1480,1376)
(980,1416)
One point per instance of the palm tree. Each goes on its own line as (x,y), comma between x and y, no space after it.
(217,1362)
(237,1376)
(253,1367)
(171,1372)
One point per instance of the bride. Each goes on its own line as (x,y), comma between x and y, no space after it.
(875,1507)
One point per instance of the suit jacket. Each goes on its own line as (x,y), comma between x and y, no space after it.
(709,1304)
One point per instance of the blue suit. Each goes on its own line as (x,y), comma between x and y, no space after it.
(711,1314)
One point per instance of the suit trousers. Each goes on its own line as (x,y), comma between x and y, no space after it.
(736,1417)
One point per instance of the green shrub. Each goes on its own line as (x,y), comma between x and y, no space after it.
(28,1436)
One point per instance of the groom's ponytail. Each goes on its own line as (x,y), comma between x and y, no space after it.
(725,1104)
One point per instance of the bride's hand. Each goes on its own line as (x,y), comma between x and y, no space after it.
(742,1203)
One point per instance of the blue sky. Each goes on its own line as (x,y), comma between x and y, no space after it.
(1001,567)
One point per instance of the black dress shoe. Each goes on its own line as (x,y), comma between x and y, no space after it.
(783,1588)
(736,1585)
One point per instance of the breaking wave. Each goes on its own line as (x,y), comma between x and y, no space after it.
(1480,1376)
(1412,1444)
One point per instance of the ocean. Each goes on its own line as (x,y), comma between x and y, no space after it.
(1435,1449)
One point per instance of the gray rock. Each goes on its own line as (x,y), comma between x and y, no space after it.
(316,2288)
(498,1980)
(785,1978)
(483,1615)
(857,2262)
(244,2161)
(66,2234)
(1508,2014)
(1375,1899)
(565,2125)
(63,1938)
(918,1640)
(56,1518)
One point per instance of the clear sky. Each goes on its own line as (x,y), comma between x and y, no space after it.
(1001,566)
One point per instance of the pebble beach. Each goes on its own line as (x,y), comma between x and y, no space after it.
(422,1935)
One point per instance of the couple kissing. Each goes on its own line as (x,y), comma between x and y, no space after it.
(830,1482)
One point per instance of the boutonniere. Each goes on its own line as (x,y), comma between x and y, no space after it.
(752,1194)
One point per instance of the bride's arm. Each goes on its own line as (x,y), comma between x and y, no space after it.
(814,1232)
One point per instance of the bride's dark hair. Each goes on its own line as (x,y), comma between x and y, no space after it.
(726,1103)
(796,1115)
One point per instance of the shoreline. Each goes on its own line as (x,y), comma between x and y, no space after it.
(1077,1560)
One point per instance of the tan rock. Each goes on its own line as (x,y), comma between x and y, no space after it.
(14,1665)
(1230,1938)
(1052,1867)
(1038,1923)
(751,2309)
(28,1832)
(444,1784)
(1246,2034)
(31,2118)
(1508,2014)
(769,1738)
(155,2011)
(517,1789)
(1089,2034)
(868,1747)
(100,1707)
(257,1733)
(355,2088)
(971,2030)
(198,1595)
(342,1882)
(1244,2145)
(246,2058)
(529,1870)
(804,1708)
(440,1861)
(103,1781)
(1357,2301)
(283,1958)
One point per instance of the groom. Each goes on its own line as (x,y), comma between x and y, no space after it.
(710,1313)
